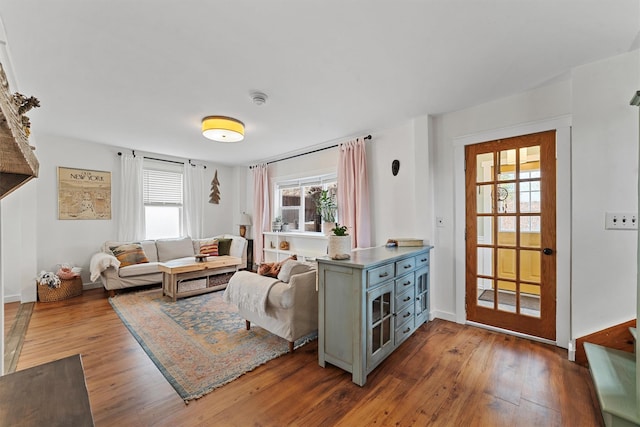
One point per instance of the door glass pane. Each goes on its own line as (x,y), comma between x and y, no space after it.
(386,330)
(530,300)
(529,161)
(485,230)
(507,296)
(530,196)
(530,224)
(529,239)
(485,261)
(507,264)
(375,338)
(505,198)
(530,266)
(485,293)
(386,304)
(376,310)
(484,203)
(507,231)
(484,167)
(507,159)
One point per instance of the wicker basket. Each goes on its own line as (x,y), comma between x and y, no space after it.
(68,288)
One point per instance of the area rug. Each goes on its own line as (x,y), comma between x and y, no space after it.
(198,343)
(508,298)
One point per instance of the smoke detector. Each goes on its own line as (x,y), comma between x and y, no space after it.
(258,98)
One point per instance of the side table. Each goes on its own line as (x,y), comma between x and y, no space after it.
(250,254)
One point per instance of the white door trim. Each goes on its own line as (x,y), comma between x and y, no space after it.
(562,126)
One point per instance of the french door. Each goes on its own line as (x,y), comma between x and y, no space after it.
(511,234)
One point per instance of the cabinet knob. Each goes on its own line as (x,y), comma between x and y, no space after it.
(406,283)
(406,330)
(406,299)
(423,260)
(408,266)
(407,314)
(385,274)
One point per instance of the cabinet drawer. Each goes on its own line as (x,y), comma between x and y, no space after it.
(405,265)
(405,282)
(379,274)
(407,313)
(422,259)
(403,331)
(404,298)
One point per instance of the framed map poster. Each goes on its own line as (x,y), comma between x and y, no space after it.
(83,194)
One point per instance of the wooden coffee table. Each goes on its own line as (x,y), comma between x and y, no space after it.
(185,269)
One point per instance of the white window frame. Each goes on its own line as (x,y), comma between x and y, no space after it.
(318,180)
(155,194)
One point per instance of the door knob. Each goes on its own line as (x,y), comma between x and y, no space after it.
(547,251)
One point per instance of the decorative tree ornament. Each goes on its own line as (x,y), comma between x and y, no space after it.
(214,196)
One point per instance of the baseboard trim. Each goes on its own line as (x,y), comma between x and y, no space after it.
(11,298)
(444,315)
(91,285)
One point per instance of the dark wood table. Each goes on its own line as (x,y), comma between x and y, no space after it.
(53,394)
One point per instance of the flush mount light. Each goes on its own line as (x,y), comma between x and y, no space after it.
(222,129)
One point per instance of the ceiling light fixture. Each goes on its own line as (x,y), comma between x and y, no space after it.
(222,129)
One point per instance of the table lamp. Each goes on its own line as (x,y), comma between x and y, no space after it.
(245,220)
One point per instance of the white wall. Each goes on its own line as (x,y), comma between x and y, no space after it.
(33,215)
(19,210)
(605,135)
(400,205)
(543,103)
(605,177)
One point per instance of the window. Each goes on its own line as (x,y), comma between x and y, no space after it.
(296,201)
(162,193)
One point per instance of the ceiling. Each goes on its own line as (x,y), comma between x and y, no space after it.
(142,74)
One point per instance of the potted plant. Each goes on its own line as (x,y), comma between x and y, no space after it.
(339,243)
(326,206)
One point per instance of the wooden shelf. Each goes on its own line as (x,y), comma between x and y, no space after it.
(307,246)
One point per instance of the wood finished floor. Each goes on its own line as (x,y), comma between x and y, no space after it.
(444,375)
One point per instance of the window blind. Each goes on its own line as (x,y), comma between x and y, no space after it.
(162,188)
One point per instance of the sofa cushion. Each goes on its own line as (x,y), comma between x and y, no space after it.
(169,249)
(224,246)
(149,247)
(138,269)
(291,268)
(129,254)
(209,247)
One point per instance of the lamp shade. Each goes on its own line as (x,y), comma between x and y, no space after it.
(245,219)
(222,129)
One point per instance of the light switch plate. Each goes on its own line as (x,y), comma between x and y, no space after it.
(621,220)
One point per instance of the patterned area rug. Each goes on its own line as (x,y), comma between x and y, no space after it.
(198,343)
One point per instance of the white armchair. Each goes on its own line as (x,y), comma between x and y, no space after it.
(288,309)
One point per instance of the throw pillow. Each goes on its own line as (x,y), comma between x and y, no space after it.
(291,268)
(224,246)
(272,269)
(129,254)
(209,247)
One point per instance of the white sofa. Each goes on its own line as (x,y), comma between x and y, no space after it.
(286,306)
(105,266)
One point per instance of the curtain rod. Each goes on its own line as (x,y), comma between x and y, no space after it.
(308,152)
(162,160)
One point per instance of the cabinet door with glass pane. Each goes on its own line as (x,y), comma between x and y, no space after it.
(422,296)
(380,323)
